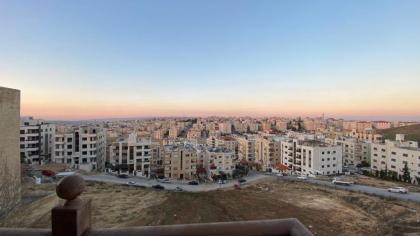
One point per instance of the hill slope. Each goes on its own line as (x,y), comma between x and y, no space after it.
(412,132)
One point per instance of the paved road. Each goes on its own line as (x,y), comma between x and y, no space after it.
(361,188)
(253,176)
(144,182)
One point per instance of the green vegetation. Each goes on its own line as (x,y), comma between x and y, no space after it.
(412,132)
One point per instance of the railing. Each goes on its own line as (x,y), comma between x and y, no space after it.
(73,218)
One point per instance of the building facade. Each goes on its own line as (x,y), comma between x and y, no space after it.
(81,147)
(10,187)
(392,156)
(312,157)
(132,155)
(36,139)
(179,161)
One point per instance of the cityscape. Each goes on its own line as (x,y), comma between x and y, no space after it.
(209,118)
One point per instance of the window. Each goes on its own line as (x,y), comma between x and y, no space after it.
(393,153)
(393,160)
(405,155)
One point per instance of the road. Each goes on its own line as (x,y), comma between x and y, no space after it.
(144,182)
(360,188)
(253,176)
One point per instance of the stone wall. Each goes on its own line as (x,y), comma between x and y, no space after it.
(9,149)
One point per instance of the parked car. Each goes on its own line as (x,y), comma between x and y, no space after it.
(193,182)
(241,180)
(397,190)
(158,186)
(179,189)
(123,176)
(167,181)
(302,177)
(131,182)
(221,181)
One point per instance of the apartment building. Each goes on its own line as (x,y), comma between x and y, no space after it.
(132,155)
(281,125)
(247,145)
(10,186)
(179,161)
(268,152)
(311,157)
(81,147)
(393,155)
(381,124)
(355,151)
(368,135)
(173,132)
(36,138)
(218,161)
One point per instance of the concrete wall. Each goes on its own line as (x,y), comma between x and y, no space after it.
(9,148)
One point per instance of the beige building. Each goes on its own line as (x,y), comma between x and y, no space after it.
(218,160)
(355,151)
(9,149)
(132,155)
(247,147)
(179,161)
(81,147)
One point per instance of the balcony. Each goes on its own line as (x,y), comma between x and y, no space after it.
(73,218)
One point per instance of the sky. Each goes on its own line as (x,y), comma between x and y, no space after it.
(107,59)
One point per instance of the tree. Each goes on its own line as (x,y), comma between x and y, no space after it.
(406,173)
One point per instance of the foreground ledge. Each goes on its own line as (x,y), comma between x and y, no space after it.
(73,218)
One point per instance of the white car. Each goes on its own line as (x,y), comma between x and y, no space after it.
(131,182)
(397,190)
(302,177)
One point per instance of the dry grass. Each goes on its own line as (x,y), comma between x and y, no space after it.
(324,210)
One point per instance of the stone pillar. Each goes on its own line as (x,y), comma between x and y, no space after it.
(73,218)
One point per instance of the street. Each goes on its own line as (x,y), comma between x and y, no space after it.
(253,176)
(411,196)
(144,182)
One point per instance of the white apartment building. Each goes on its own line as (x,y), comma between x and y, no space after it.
(81,147)
(218,160)
(132,155)
(36,138)
(312,157)
(393,155)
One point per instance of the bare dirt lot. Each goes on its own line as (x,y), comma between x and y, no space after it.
(323,210)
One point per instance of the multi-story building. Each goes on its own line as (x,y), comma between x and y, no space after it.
(36,138)
(10,187)
(311,157)
(132,155)
(247,147)
(173,132)
(218,161)
(392,156)
(381,124)
(367,135)
(267,152)
(81,148)
(355,152)
(179,161)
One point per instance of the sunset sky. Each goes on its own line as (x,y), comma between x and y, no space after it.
(105,59)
